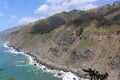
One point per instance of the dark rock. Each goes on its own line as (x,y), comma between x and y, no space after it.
(74,78)
(117,32)
(82,55)
(64,49)
(54,51)
(44,68)
(35,64)
(59,74)
(74,56)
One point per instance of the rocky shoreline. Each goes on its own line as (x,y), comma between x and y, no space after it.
(77,72)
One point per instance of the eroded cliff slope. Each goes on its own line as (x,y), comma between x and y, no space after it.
(75,40)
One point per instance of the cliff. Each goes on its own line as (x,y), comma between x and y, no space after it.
(75,40)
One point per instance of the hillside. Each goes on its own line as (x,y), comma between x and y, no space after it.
(75,40)
(6,33)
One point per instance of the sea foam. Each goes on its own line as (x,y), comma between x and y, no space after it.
(56,73)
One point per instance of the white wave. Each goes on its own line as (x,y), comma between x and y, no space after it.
(56,73)
(29,58)
(60,74)
(71,76)
(13,51)
(5,45)
(63,75)
(19,61)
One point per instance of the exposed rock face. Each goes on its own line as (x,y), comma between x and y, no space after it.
(81,55)
(115,63)
(75,40)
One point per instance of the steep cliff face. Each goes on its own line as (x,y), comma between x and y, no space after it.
(75,40)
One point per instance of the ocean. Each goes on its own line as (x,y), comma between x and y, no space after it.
(20,66)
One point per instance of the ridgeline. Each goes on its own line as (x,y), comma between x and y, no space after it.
(74,40)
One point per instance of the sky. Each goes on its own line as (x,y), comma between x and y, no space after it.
(18,12)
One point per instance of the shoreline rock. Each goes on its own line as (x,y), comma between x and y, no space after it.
(78,73)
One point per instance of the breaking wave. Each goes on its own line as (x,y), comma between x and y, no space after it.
(56,73)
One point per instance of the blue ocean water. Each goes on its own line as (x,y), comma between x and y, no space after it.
(19,67)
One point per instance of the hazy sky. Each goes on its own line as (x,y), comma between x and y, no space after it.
(18,12)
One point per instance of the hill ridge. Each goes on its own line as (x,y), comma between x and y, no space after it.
(74,40)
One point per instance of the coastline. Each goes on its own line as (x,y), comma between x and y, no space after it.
(58,71)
